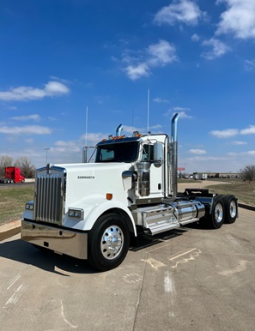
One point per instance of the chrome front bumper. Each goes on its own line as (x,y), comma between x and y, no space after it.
(59,240)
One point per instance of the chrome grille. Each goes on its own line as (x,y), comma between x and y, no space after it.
(49,198)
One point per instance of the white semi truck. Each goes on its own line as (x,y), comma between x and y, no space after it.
(93,210)
(199,175)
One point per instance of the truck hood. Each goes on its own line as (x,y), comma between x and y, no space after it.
(90,179)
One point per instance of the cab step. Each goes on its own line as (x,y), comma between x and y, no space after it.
(164,217)
(158,219)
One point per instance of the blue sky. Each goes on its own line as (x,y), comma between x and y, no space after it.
(195,57)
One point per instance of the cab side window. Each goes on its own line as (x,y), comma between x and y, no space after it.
(147,153)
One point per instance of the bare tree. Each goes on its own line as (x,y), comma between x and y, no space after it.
(5,161)
(248,173)
(26,167)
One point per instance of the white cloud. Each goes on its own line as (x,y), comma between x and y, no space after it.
(93,138)
(218,49)
(183,114)
(217,163)
(159,100)
(156,55)
(29,140)
(195,37)
(233,132)
(238,143)
(249,130)
(238,19)
(182,111)
(130,129)
(25,93)
(11,107)
(34,117)
(55,89)
(207,158)
(161,53)
(178,109)
(248,153)
(64,81)
(183,11)
(249,65)
(33,129)
(156,127)
(197,151)
(224,133)
(137,71)
(63,146)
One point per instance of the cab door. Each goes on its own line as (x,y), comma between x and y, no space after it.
(156,170)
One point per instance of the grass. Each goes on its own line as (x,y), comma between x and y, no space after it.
(244,191)
(12,202)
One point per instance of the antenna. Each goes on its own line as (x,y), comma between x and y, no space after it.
(132,119)
(148,111)
(85,149)
(86,133)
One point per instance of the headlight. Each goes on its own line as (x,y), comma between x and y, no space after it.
(76,213)
(29,206)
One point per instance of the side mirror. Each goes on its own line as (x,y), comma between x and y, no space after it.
(158,154)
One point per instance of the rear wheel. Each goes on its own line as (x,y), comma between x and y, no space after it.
(217,213)
(108,242)
(230,204)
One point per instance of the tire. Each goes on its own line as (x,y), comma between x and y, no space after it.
(230,205)
(108,242)
(217,213)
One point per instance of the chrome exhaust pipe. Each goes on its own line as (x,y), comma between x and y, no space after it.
(174,156)
(119,129)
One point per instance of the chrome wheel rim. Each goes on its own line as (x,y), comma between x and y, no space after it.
(232,209)
(218,213)
(112,242)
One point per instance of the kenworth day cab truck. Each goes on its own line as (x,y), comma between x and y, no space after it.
(12,175)
(92,211)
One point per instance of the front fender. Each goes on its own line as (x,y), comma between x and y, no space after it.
(94,207)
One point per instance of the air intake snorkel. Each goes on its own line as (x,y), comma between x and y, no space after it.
(118,130)
(174,156)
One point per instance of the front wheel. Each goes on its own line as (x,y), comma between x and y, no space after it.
(108,242)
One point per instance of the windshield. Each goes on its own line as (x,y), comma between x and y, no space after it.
(126,152)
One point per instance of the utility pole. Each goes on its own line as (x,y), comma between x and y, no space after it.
(148,111)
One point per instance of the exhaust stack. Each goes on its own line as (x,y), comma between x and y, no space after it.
(118,130)
(174,156)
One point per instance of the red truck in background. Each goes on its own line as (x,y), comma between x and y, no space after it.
(12,175)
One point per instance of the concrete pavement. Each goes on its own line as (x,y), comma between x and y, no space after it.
(187,279)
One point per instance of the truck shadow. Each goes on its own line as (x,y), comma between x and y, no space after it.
(20,251)
(144,241)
